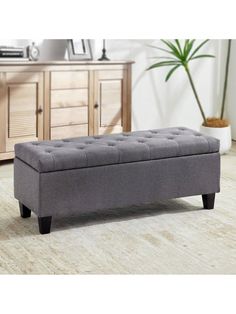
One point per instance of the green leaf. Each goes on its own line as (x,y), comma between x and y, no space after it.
(162,64)
(159,48)
(198,47)
(185,46)
(162,49)
(178,44)
(190,45)
(163,57)
(203,56)
(173,48)
(171,72)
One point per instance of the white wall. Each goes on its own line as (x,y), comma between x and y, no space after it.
(160,104)
(157,103)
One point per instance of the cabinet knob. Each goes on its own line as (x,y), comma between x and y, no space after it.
(40,110)
(96,106)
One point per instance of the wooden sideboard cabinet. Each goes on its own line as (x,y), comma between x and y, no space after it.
(56,100)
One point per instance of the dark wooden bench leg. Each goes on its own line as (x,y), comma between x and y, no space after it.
(44,224)
(208,201)
(25,212)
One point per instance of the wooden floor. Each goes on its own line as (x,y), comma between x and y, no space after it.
(172,237)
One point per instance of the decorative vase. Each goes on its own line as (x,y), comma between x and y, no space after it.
(222,134)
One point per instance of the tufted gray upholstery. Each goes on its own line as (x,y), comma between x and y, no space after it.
(136,146)
(55,178)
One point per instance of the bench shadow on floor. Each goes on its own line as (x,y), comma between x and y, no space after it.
(14,227)
(170,207)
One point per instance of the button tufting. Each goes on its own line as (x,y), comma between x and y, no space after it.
(122,148)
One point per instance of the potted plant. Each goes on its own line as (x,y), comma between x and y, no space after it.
(180,56)
(220,127)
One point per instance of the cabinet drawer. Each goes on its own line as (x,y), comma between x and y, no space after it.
(69,98)
(110,75)
(69,79)
(69,116)
(22,77)
(69,131)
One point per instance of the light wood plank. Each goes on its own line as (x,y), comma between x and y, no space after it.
(110,115)
(22,107)
(69,116)
(69,131)
(110,99)
(69,79)
(23,99)
(3,112)
(40,105)
(6,156)
(91,101)
(47,111)
(69,98)
(127,100)
(110,103)
(110,74)
(19,77)
(14,140)
(95,105)
(128,103)
(110,129)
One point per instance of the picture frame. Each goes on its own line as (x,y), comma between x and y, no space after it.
(79,49)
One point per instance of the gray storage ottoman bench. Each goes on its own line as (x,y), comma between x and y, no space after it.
(63,177)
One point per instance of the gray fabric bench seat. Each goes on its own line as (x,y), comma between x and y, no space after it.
(63,177)
(103,150)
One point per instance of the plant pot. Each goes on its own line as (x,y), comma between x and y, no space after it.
(222,134)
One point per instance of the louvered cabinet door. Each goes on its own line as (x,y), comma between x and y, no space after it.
(21,107)
(110,98)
